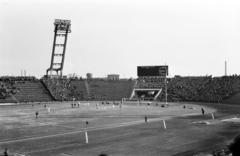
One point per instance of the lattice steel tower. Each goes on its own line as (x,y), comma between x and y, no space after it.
(62,28)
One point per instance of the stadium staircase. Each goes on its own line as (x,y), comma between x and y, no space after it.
(47,90)
(87,89)
(30,91)
(81,87)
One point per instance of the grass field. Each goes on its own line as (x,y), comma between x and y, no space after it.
(115,131)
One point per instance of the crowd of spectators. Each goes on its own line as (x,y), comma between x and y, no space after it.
(14,79)
(150,82)
(184,88)
(199,89)
(220,88)
(233,149)
(62,89)
(222,152)
(4,92)
(100,79)
(7,85)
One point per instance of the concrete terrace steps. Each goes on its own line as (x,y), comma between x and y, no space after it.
(111,90)
(32,91)
(7,100)
(81,87)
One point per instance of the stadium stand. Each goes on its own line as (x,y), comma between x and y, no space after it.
(202,89)
(22,89)
(198,89)
(111,89)
(235,99)
(81,89)
(6,94)
(66,89)
(86,89)
(150,82)
(60,89)
(31,91)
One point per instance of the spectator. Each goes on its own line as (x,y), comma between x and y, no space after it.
(6,152)
(234,146)
(202,111)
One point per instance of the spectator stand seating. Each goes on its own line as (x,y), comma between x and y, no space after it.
(201,89)
(22,89)
(110,89)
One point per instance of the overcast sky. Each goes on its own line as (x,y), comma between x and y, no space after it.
(193,37)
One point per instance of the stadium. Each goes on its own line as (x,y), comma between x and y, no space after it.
(152,114)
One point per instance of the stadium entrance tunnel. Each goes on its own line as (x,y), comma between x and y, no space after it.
(146,94)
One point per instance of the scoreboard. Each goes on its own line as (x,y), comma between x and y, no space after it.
(152,70)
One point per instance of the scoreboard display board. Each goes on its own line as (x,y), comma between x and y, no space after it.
(152,70)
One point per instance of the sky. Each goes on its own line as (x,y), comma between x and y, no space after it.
(192,37)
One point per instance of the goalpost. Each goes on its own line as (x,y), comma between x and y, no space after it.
(129,100)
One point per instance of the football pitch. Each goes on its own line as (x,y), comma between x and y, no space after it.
(90,129)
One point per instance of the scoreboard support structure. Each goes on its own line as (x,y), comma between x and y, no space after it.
(155,71)
(166,90)
(62,28)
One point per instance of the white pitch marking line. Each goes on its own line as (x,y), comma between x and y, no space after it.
(94,141)
(231,119)
(214,123)
(189,114)
(64,126)
(91,129)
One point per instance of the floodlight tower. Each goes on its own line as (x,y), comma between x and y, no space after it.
(163,71)
(62,28)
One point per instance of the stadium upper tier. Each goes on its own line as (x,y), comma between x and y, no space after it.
(200,89)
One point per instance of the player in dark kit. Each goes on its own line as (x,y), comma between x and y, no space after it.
(5,152)
(145,119)
(36,114)
(202,111)
(120,106)
(87,123)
